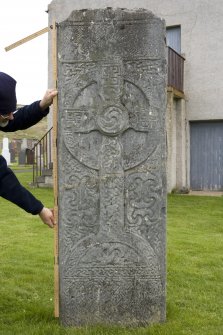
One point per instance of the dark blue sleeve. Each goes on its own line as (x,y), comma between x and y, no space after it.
(12,190)
(26,117)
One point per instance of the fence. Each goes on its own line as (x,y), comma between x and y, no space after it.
(175,70)
(42,152)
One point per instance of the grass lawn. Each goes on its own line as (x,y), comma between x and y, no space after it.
(194,271)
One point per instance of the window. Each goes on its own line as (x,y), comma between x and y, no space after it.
(173,38)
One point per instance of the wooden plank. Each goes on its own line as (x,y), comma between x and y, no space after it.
(27,39)
(55,178)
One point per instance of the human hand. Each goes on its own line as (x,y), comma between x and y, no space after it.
(47,100)
(47,217)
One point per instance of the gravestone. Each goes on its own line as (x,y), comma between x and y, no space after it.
(22,153)
(5,150)
(14,148)
(12,152)
(29,156)
(111,167)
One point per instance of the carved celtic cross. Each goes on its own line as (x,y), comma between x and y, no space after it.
(112,168)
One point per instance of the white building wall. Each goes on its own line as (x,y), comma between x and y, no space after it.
(171,141)
(181,139)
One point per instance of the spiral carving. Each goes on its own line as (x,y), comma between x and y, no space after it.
(113,120)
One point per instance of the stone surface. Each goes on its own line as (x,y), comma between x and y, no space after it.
(111,167)
(5,150)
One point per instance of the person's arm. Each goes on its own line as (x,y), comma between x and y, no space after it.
(29,115)
(12,190)
(26,117)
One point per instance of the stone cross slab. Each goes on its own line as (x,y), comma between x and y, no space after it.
(111,167)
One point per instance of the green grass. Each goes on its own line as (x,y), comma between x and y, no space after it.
(194,276)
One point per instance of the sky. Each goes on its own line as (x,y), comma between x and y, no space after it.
(28,63)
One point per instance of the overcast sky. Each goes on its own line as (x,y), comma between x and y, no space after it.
(28,63)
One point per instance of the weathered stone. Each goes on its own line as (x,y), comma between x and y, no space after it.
(5,150)
(111,167)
